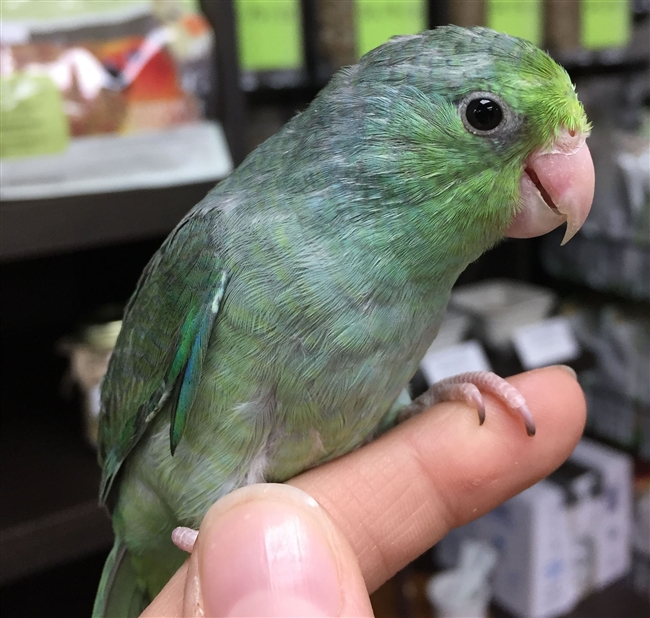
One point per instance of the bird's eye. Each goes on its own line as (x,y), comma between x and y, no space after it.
(482,113)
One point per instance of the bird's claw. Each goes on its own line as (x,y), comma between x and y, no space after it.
(466,388)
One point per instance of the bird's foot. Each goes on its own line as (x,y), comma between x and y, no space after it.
(184,538)
(466,388)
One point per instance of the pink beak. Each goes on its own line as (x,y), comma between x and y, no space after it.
(556,186)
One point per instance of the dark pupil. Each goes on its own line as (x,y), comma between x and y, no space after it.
(484,114)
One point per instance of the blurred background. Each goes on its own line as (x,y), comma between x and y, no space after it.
(117,117)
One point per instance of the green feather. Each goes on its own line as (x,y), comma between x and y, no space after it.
(119,593)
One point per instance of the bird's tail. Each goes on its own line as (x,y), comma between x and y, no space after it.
(120,594)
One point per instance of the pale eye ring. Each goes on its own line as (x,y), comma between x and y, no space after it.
(483,113)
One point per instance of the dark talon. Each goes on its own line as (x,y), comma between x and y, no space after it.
(528,419)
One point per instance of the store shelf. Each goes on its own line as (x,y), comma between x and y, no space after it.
(49,512)
(33,228)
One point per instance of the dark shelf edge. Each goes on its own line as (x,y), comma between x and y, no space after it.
(57,538)
(33,228)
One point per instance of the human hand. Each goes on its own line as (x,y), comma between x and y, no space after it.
(269,550)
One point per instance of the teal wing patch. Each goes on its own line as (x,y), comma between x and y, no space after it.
(165,334)
(195,336)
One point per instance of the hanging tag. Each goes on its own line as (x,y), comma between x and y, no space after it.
(605,23)
(546,343)
(269,34)
(467,356)
(521,19)
(378,20)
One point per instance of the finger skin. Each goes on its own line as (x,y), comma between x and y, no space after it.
(399,495)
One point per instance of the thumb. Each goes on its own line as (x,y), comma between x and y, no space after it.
(271,550)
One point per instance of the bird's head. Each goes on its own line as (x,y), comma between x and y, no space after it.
(482,129)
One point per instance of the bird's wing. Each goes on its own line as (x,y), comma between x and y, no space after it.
(159,354)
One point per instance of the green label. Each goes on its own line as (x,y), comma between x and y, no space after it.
(58,9)
(191,6)
(378,20)
(32,121)
(269,34)
(521,18)
(605,23)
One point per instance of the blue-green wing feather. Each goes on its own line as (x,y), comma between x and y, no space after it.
(198,333)
(164,339)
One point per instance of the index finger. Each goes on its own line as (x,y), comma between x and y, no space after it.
(399,495)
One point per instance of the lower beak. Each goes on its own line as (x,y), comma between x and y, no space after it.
(556,187)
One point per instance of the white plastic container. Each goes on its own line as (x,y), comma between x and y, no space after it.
(464,591)
(500,306)
(442,594)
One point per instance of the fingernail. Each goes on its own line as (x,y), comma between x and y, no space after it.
(568,370)
(267,559)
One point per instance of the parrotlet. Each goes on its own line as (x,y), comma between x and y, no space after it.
(279,324)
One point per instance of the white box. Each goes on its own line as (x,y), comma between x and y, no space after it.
(612,521)
(439,364)
(534,575)
(582,488)
(452,330)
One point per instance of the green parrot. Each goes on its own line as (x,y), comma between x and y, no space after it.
(279,324)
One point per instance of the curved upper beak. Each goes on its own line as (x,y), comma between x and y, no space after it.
(557,186)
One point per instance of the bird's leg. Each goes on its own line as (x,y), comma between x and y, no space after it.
(467,387)
(184,538)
